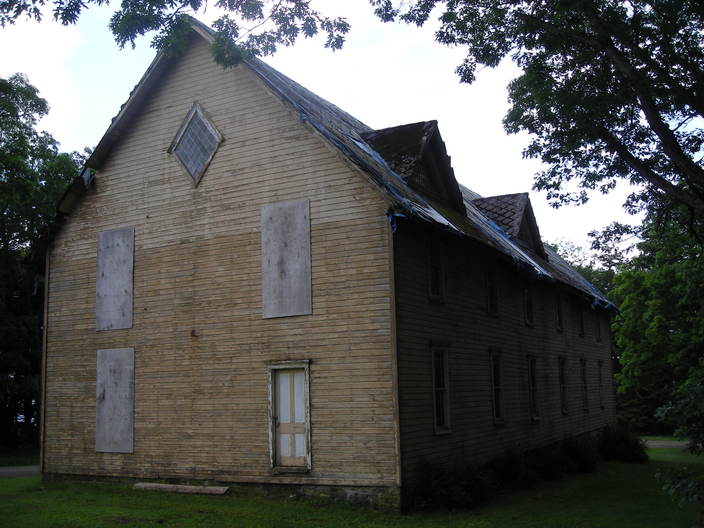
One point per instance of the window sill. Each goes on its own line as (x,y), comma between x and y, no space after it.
(499,422)
(289,470)
(535,419)
(442,432)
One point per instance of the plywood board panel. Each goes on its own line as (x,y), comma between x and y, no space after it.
(114,401)
(114,284)
(286,264)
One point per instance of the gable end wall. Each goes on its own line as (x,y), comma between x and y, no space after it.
(201,347)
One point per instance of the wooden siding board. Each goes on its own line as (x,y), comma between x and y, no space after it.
(462,322)
(200,375)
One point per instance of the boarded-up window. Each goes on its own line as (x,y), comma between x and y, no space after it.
(441,390)
(290,415)
(286,261)
(114,283)
(114,405)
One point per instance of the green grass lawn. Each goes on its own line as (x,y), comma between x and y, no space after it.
(27,456)
(618,495)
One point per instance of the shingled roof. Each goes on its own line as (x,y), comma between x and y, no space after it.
(506,210)
(385,163)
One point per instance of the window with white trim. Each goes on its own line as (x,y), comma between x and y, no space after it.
(195,143)
(289,415)
(441,390)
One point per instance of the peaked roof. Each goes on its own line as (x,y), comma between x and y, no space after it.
(401,146)
(506,210)
(373,151)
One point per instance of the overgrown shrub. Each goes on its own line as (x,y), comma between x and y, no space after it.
(685,486)
(582,452)
(618,443)
(550,462)
(464,486)
(512,472)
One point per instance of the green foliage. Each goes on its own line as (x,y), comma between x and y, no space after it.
(609,88)
(660,329)
(464,486)
(33,174)
(249,27)
(618,443)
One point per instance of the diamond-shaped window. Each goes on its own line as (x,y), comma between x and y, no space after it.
(195,143)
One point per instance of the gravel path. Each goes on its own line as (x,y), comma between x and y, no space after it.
(19,471)
(666,443)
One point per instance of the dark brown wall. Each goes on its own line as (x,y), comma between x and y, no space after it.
(462,322)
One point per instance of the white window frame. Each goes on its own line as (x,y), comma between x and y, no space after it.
(434,350)
(272,367)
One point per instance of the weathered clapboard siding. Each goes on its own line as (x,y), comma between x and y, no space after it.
(463,325)
(200,344)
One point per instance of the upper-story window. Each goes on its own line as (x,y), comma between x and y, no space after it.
(559,325)
(597,326)
(441,390)
(195,143)
(436,271)
(580,321)
(528,308)
(491,300)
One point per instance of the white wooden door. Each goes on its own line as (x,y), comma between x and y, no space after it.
(290,418)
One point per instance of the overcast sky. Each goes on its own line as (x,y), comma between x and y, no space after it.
(386,75)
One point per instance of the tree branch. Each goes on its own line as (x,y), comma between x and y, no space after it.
(685,198)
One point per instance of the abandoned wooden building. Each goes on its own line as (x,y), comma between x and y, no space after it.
(249,285)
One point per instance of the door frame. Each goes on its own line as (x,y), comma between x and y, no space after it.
(298,364)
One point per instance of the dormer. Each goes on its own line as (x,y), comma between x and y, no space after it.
(417,153)
(513,213)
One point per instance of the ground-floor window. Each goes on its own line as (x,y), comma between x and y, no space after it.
(289,414)
(585,389)
(441,390)
(562,375)
(533,388)
(496,382)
